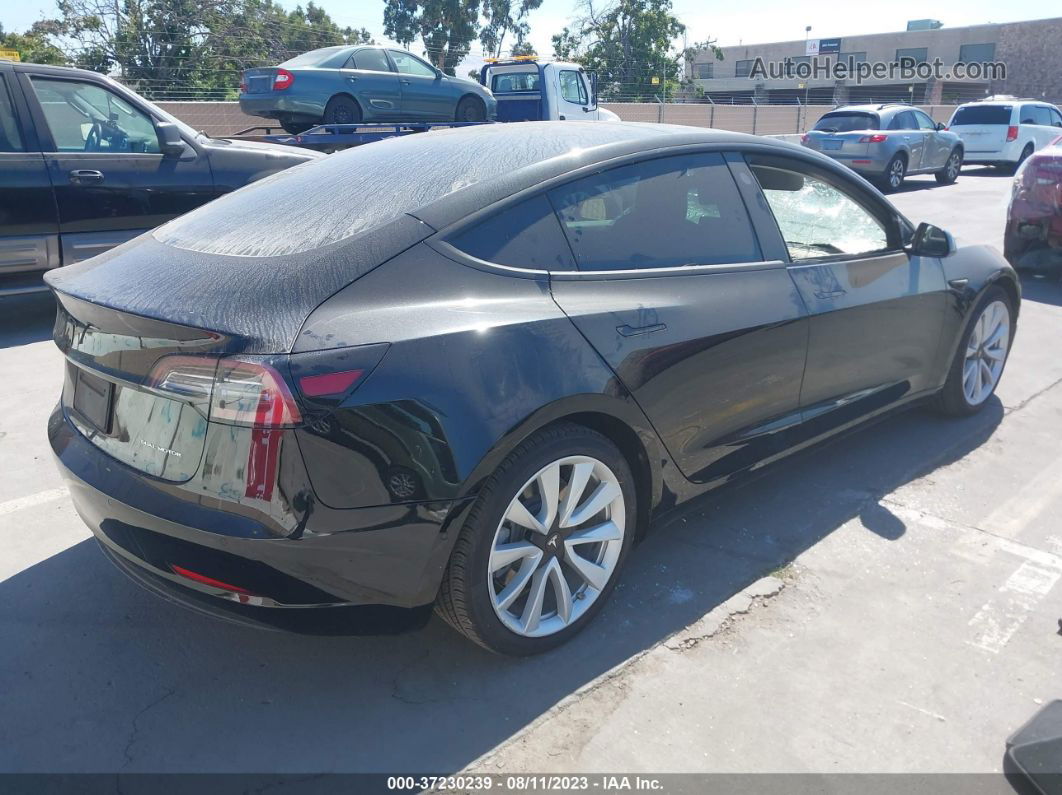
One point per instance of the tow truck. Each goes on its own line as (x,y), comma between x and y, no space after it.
(526,88)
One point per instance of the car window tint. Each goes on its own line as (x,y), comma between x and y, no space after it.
(10,137)
(818,219)
(1027,115)
(572,88)
(904,120)
(526,235)
(514,82)
(1042,114)
(667,212)
(1056,117)
(371,60)
(847,122)
(982,114)
(409,65)
(85,117)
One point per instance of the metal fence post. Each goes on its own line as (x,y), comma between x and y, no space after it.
(659,110)
(755,111)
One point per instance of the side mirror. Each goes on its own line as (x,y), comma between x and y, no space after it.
(593,90)
(941,126)
(438,73)
(170,142)
(931,241)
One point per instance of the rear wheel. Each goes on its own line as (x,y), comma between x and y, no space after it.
(342,110)
(950,172)
(981,357)
(895,171)
(543,545)
(1026,153)
(471,109)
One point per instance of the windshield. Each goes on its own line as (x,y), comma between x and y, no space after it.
(982,114)
(847,122)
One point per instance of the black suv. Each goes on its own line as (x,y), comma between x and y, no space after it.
(86,164)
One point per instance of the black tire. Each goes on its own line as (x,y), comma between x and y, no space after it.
(463,601)
(1026,153)
(342,109)
(295,127)
(952,167)
(895,171)
(951,400)
(471,109)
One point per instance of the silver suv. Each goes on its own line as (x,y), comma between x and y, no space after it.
(885,143)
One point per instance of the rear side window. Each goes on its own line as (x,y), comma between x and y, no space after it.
(370,61)
(982,114)
(905,120)
(10,137)
(847,122)
(661,213)
(526,235)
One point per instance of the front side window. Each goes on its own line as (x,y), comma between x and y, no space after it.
(572,87)
(816,218)
(526,235)
(10,137)
(409,64)
(924,122)
(85,117)
(370,61)
(662,213)
(1056,118)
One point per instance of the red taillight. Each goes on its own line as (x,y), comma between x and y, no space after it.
(241,391)
(283,80)
(252,393)
(1012,133)
(202,578)
(328,384)
(872,139)
(804,138)
(243,86)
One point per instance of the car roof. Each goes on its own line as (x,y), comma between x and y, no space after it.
(438,177)
(879,108)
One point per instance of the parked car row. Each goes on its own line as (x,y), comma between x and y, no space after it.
(886,143)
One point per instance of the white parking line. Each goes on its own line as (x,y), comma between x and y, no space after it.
(998,620)
(19,503)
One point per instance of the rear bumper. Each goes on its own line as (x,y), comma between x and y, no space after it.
(388,556)
(866,165)
(277,105)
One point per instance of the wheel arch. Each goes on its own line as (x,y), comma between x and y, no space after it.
(346,94)
(615,418)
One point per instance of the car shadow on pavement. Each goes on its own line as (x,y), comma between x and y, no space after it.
(1042,289)
(101,676)
(26,318)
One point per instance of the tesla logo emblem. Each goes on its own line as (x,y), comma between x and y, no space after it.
(552,542)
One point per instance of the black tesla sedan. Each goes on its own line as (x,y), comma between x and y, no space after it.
(466,368)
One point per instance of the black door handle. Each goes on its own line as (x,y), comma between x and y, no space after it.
(404,82)
(634,331)
(85,176)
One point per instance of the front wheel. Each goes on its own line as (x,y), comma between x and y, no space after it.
(950,172)
(543,544)
(981,357)
(471,109)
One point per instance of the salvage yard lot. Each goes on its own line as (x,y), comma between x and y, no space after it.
(900,612)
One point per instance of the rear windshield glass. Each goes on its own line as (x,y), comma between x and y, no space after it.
(982,114)
(326,200)
(312,57)
(511,82)
(846,122)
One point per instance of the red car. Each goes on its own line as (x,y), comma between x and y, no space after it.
(1033,238)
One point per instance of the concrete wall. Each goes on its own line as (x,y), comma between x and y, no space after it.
(225,118)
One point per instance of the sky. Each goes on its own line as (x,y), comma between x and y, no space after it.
(726,22)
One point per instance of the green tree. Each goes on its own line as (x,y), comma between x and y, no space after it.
(446,27)
(628,43)
(35,45)
(502,17)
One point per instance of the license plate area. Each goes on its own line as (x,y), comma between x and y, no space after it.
(93,397)
(831,144)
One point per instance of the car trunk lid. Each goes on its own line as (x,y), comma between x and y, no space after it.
(838,143)
(982,128)
(258,81)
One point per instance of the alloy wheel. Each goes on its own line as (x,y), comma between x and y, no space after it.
(953,165)
(896,171)
(557,546)
(986,353)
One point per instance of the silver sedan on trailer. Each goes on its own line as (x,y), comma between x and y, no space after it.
(885,143)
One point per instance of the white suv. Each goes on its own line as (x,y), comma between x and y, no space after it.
(1003,131)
